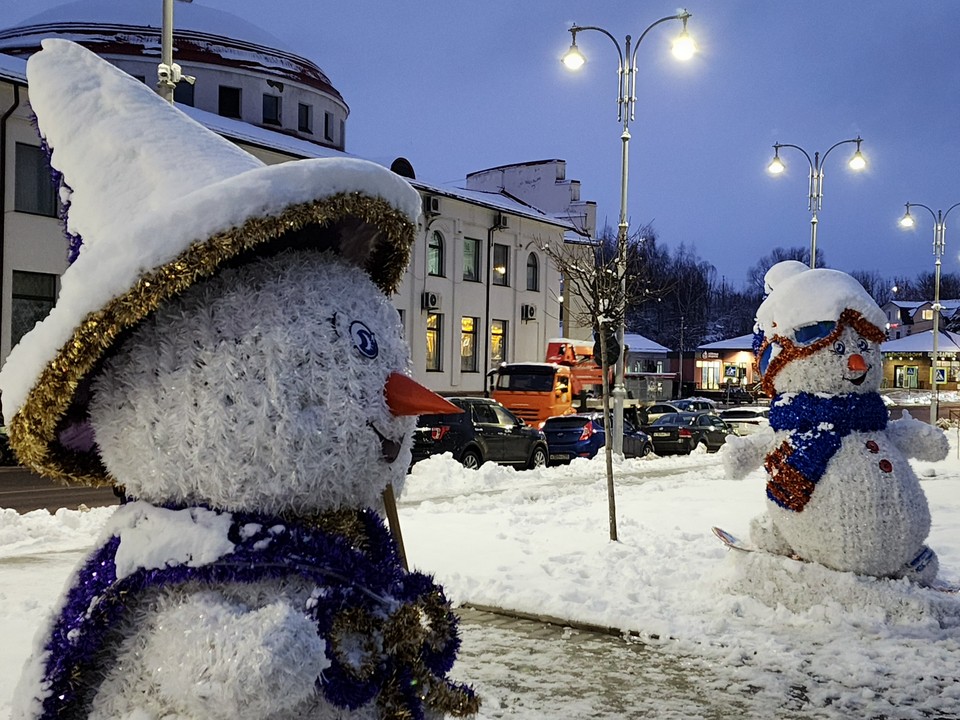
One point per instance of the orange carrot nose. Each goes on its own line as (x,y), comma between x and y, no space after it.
(856,363)
(405,396)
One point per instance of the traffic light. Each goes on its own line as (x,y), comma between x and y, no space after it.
(613,347)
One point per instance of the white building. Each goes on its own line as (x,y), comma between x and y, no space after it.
(478,291)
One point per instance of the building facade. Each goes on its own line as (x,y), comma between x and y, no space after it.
(479,289)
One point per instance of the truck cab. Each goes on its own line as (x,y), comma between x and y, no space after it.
(534,391)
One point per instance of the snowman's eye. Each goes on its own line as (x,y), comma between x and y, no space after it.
(839,348)
(863,346)
(362,337)
(364,340)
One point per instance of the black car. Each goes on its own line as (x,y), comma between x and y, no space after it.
(682,432)
(484,431)
(571,436)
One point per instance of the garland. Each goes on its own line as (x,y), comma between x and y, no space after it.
(817,426)
(402,619)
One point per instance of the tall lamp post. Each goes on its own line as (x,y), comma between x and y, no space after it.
(815,194)
(168,72)
(683,49)
(939,239)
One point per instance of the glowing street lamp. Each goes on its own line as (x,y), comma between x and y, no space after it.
(683,49)
(939,241)
(857,162)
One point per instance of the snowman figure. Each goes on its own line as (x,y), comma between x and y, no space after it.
(840,491)
(224,349)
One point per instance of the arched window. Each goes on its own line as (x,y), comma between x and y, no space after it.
(435,254)
(533,272)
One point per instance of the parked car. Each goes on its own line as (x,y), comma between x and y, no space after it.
(657,409)
(747,419)
(484,431)
(695,405)
(572,436)
(681,433)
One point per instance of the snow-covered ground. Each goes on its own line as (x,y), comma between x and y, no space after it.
(778,637)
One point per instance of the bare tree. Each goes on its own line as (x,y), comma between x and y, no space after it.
(879,287)
(778,254)
(593,275)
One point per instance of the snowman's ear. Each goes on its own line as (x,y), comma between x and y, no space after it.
(769,352)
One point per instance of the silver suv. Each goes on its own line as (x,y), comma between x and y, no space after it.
(747,419)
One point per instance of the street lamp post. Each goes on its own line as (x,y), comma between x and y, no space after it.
(815,193)
(939,240)
(683,49)
(168,72)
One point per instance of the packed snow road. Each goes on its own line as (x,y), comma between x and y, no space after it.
(753,635)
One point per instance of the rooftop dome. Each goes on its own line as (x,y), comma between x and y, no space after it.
(132,27)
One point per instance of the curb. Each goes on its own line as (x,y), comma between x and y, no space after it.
(560,622)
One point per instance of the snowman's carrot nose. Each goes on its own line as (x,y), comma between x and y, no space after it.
(856,363)
(405,396)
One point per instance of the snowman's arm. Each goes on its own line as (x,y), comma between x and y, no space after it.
(743,455)
(917,439)
(214,659)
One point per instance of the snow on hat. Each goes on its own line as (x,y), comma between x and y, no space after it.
(798,296)
(804,309)
(154,203)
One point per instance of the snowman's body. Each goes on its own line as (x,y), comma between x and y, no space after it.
(840,489)
(847,525)
(258,394)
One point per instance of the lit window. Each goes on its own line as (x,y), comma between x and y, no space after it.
(501,265)
(34,191)
(498,342)
(271,109)
(533,272)
(471,259)
(468,344)
(434,341)
(435,254)
(927,314)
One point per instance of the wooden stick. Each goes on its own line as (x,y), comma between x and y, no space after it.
(393,520)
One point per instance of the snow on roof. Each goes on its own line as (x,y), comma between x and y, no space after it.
(741,342)
(13,69)
(637,343)
(923,343)
(149,13)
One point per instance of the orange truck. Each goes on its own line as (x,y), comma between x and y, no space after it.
(567,380)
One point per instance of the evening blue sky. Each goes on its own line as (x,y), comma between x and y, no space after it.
(457,87)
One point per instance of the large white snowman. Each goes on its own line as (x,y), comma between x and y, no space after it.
(840,491)
(224,349)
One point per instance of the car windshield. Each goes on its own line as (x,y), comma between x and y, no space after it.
(565,422)
(673,419)
(742,414)
(538,382)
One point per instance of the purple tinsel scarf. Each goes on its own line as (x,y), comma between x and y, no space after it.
(363,590)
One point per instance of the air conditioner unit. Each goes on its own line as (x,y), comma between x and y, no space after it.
(431,205)
(429,300)
(503,221)
(528,312)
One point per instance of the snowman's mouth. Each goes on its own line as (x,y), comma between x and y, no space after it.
(389,449)
(858,380)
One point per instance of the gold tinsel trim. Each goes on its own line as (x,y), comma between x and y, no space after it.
(346,523)
(791,351)
(33,429)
